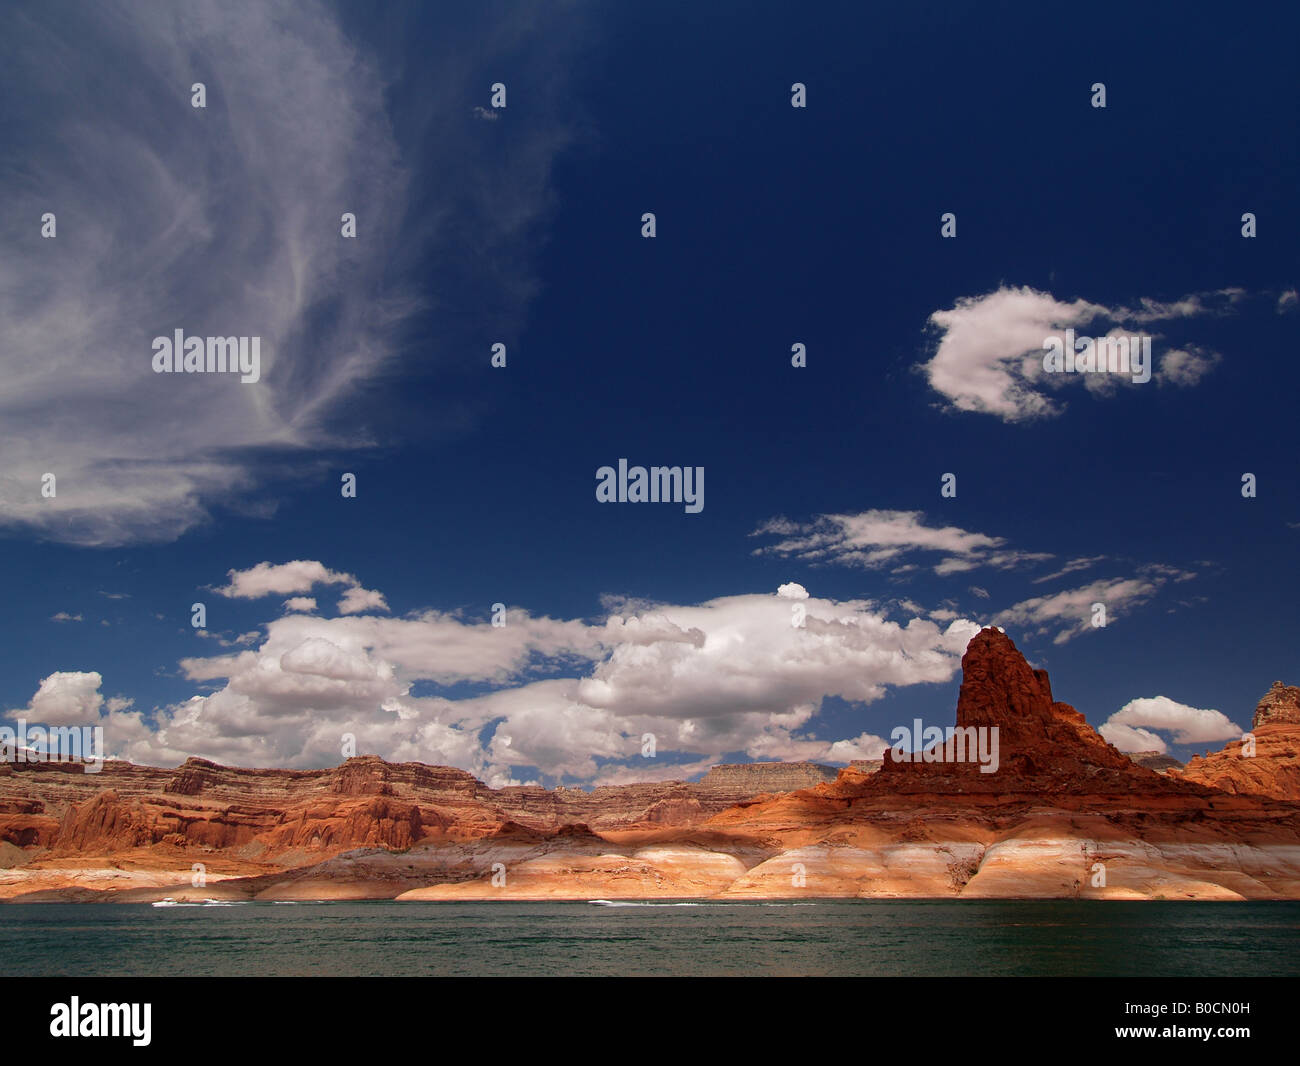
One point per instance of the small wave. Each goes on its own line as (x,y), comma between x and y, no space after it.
(705,903)
(643,903)
(198,903)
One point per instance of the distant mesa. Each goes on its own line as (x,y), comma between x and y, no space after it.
(1156,760)
(768,776)
(271,814)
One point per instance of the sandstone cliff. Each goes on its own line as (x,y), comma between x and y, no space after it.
(756,777)
(254,821)
(1280,706)
(1270,766)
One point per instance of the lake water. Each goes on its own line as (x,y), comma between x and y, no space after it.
(828,938)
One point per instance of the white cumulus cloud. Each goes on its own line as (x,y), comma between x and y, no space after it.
(1136,725)
(567,697)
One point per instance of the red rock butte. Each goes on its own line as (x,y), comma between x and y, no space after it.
(1043,745)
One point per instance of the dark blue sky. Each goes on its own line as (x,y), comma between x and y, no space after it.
(776,225)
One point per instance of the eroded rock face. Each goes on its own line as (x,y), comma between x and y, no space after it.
(1035,732)
(1266,765)
(1280,706)
(1043,746)
(364,802)
(756,777)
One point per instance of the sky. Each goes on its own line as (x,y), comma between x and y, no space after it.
(355,521)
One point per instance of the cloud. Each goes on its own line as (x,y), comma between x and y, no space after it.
(73,698)
(175,217)
(300,603)
(1082,563)
(649,629)
(567,697)
(67,697)
(787,749)
(1186,368)
(1074,607)
(879,538)
(63,616)
(242,640)
(1130,739)
(1130,728)
(225,221)
(753,661)
(358,600)
(989,356)
(754,685)
(281,579)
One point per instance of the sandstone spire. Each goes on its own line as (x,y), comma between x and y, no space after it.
(1280,705)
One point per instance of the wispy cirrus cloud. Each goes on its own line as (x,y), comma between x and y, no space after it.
(225,221)
(892,540)
(879,539)
(1069,612)
(220,221)
(1074,565)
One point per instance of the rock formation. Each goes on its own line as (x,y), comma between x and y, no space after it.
(756,777)
(1155,760)
(256,821)
(1267,764)
(1042,746)
(1280,706)
(1065,814)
